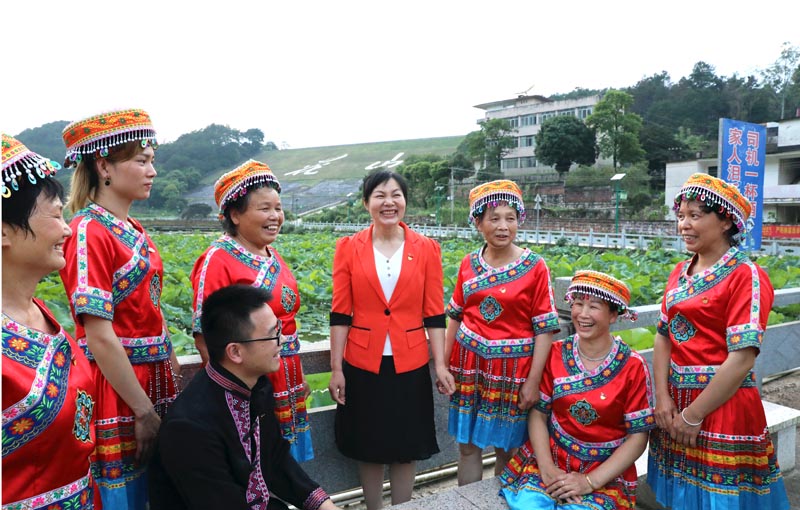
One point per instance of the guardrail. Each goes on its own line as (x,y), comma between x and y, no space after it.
(780,352)
(588,239)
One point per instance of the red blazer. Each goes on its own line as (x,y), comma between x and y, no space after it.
(358,301)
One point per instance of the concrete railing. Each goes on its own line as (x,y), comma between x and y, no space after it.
(591,239)
(780,352)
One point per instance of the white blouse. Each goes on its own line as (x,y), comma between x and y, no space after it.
(388,273)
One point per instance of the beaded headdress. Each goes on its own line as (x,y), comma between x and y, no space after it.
(18,159)
(237,182)
(720,196)
(603,286)
(491,194)
(96,134)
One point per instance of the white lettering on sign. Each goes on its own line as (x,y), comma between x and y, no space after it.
(395,161)
(313,169)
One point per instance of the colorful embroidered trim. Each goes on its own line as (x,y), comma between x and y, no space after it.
(268,271)
(23,421)
(505,348)
(74,496)
(718,195)
(488,277)
(100,132)
(236,183)
(698,376)
(249,429)
(603,286)
(690,286)
(491,194)
(584,450)
(17,159)
(146,349)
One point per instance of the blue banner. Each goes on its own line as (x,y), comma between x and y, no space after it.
(742,155)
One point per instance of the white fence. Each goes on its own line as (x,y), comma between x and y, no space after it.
(587,239)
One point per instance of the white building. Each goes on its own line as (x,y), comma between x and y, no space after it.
(781,177)
(526,114)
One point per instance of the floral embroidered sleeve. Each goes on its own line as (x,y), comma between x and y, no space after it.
(93,293)
(455,308)
(751,296)
(640,401)
(545,403)
(206,278)
(543,316)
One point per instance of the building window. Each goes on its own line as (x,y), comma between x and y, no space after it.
(527,141)
(509,163)
(513,122)
(584,112)
(529,120)
(527,162)
(789,171)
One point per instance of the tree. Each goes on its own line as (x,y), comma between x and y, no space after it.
(487,147)
(617,128)
(564,140)
(660,146)
(423,174)
(196,210)
(779,75)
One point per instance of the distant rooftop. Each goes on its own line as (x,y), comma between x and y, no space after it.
(517,101)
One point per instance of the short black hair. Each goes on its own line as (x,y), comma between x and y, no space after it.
(226,316)
(375,179)
(19,207)
(240,204)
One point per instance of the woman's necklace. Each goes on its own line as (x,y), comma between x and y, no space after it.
(587,358)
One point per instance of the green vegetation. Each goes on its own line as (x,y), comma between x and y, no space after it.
(310,255)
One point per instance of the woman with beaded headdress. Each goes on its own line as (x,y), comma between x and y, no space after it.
(596,407)
(251,214)
(502,319)
(113,278)
(712,448)
(48,391)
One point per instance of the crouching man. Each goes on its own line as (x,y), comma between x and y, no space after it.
(219,445)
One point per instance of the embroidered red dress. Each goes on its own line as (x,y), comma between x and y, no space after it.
(590,413)
(226,262)
(114,272)
(48,401)
(501,310)
(706,316)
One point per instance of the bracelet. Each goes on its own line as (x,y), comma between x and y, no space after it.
(687,422)
(589,481)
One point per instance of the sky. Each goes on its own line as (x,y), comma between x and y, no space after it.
(319,73)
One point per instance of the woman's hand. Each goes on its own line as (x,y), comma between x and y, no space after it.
(550,474)
(445,382)
(569,487)
(665,412)
(336,386)
(682,432)
(528,394)
(145,429)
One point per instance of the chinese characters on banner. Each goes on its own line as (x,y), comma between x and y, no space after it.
(742,154)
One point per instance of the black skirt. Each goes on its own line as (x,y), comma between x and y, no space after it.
(388,417)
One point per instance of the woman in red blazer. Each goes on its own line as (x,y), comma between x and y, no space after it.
(387,291)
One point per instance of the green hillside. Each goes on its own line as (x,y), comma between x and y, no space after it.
(314,164)
(324,176)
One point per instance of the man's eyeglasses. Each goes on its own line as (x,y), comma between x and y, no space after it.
(277,337)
